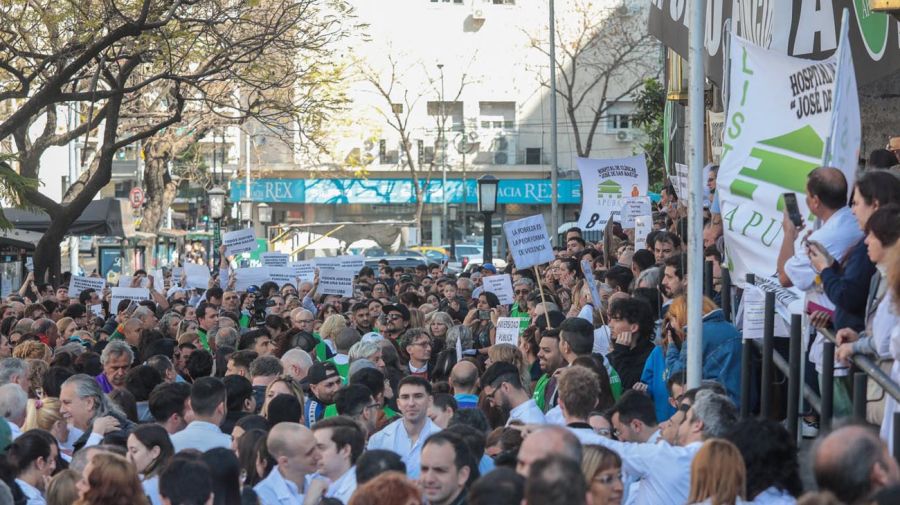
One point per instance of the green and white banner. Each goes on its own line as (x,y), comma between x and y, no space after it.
(605,184)
(779,120)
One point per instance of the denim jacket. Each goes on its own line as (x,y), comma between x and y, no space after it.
(721,354)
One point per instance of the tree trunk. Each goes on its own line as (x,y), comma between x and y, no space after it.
(47,264)
(159,188)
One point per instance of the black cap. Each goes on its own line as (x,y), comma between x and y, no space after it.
(387,309)
(321,371)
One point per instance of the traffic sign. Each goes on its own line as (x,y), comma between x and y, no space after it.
(136,196)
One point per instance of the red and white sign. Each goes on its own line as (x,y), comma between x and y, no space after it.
(136,197)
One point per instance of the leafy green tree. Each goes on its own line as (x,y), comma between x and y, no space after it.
(650,102)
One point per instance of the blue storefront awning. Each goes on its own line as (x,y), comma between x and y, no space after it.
(400,191)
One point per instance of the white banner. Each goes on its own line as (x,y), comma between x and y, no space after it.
(845,135)
(336,282)
(239,241)
(779,116)
(77,284)
(500,285)
(604,186)
(528,241)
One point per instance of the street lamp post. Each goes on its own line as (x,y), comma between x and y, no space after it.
(487,205)
(216,211)
(442,145)
(264,211)
(453,213)
(247,211)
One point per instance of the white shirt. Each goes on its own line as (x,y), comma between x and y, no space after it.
(837,235)
(772,496)
(202,436)
(151,489)
(276,490)
(32,494)
(343,488)
(664,470)
(528,412)
(631,483)
(601,340)
(395,438)
(555,416)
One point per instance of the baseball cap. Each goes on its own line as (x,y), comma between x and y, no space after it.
(489,267)
(373,337)
(321,371)
(253,289)
(387,309)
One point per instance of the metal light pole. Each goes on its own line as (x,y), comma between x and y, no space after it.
(247,166)
(487,205)
(453,213)
(696,86)
(442,144)
(216,211)
(554,194)
(264,213)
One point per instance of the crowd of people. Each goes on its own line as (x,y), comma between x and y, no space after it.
(280,395)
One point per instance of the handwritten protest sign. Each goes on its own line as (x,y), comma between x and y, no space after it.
(78,284)
(643,225)
(754,311)
(633,208)
(528,241)
(507,331)
(336,282)
(500,285)
(239,241)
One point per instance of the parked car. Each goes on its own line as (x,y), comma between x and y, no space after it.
(434,254)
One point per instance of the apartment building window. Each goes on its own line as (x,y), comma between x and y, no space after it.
(619,121)
(387,156)
(504,2)
(447,1)
(497,115)
(533,156)
(448,115)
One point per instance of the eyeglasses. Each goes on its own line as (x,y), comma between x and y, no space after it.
(522,291)
(394,317)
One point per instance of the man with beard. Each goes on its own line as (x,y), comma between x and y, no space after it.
(503,388)
(673,282)
(397,321)
(324,383)
(550,360)
(362,321)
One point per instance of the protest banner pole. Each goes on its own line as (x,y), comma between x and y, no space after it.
(295,251)
(696,87)
(543,301)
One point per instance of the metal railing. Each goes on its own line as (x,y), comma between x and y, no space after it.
(864,367)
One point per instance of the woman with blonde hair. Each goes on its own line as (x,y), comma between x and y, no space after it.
(329,330)
(44,414)
(32,349)
(66,327)
(62,490)
(721,345)
(511,354)
(110,479)
(718,474)
(602,470)
(283,385)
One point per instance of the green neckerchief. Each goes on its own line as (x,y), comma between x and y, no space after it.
(204,341)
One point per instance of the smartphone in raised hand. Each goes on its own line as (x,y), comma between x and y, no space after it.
(790,203)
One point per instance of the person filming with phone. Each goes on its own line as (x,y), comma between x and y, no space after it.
(826,199)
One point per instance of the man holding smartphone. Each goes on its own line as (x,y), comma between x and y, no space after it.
(826,198)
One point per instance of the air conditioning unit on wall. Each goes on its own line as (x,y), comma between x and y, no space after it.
(624,136)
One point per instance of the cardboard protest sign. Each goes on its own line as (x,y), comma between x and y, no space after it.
(120,293)
(239,241)
(197,276)
(304,271)
(282,275)
(633,208)
(253,276)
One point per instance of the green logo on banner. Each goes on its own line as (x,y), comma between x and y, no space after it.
(609,189)
(784,161)
(873,26)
